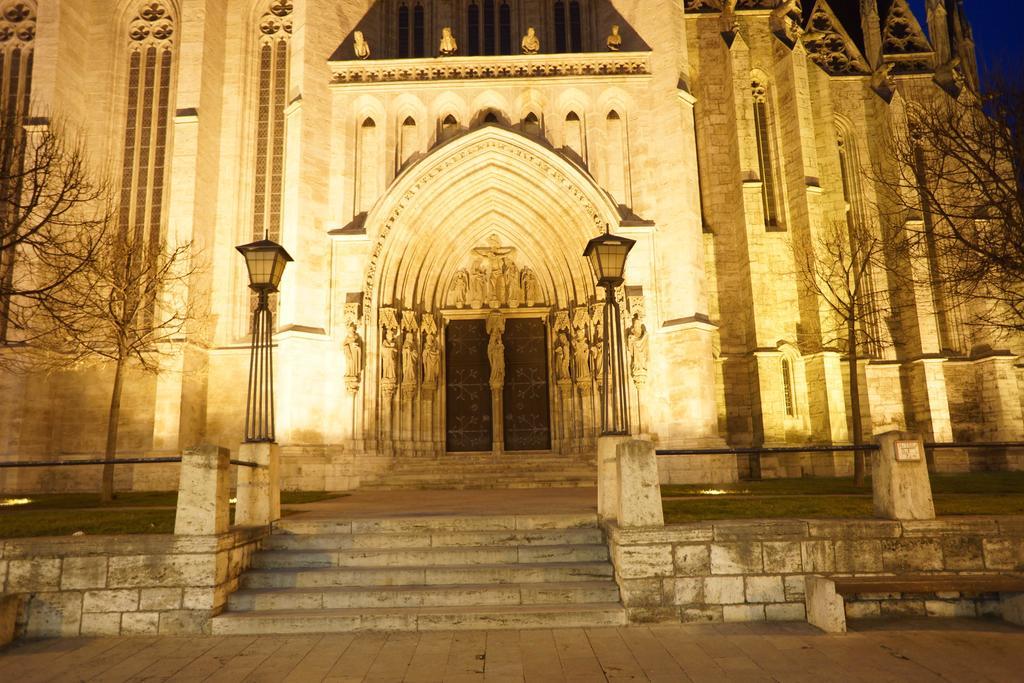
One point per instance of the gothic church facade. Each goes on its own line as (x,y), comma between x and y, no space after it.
(436,169)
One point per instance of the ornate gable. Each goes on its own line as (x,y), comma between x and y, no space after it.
(704,6)
(829,45)
(903,41)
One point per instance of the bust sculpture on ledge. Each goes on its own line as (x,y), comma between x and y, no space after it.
(361,47)
(448,45)
(615,39)
(531,43)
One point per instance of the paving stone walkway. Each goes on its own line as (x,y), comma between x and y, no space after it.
(904,651)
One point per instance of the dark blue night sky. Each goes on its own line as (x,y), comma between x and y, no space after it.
(998,28)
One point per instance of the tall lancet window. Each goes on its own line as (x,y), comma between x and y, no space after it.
(617,163)
(147,114)
(367,166)
(766,157)
(17,39)
(275,34)
(412,30)
(573,134)
(568,23)
(408,141)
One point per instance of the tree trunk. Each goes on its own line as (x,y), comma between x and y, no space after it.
(859,460)
(113,416)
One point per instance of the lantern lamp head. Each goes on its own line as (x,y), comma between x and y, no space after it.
(265,261)
(607,255)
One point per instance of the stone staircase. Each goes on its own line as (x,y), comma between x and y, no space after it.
(456,472)
(427,573)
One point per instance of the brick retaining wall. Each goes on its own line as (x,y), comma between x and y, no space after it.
(123,585)
(755,570)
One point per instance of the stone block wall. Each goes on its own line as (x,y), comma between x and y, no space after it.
(123,585)
(756,570)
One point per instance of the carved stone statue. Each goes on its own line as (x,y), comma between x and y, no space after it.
(448,45)
(431,360)
(615,39)
(478,285)
(361,47)
(515,286)
(562,358)
(637,344)
(410,360)
(460,289)
(597,354)
(530,289)
(496,356)
(353,356)
(498,289)
(581,357)
(389,357)
(531,43)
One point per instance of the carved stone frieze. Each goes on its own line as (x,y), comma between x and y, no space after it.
(830,47)
(493,278)
(617,64)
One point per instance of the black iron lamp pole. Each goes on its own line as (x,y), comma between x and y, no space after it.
(266,261)
(607,255)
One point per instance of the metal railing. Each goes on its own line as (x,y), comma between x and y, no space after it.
(117,461)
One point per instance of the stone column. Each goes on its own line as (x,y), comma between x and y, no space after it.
(203,492)
(259,488)
(1000,398)
(639,486)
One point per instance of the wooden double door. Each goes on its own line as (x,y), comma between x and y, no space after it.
(523,415)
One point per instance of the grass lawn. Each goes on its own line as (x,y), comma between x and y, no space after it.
(978,482)
(130,513)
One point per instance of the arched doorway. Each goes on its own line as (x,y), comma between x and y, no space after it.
(481,322)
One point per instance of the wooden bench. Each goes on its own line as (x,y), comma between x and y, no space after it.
(826,606)
(8,617)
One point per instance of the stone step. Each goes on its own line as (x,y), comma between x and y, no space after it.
(553,572)
(429,557)
(419,619)
(440,539)
(437,523)
(433,484)
(570,593)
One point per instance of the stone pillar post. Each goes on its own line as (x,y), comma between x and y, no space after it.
(899,476)
(608,476)
(1000,398)
(639,486)
(259,488)
(203,492)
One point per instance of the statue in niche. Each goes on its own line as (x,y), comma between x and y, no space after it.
(410,359)
(431,360)
(515,287)
(361,47)
(638,346)
(530,289)
(460,289)
(615,39)
(496,356)
(531,43)
(448,45)
(581,357)
(562,358)
(389,357)
(353,349)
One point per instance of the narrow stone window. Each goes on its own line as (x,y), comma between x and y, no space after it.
(505,27)
(367,151)
(618,184)
(491,118)
(17,39)
(419,32)
(573,135)
(473,28)
(403,31)
(408,141)
(449,127)
(490,47)
(575,27)
(787,387)
(561,42)
(766,158)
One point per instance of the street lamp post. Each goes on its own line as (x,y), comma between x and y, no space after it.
(266,261)
(607,255)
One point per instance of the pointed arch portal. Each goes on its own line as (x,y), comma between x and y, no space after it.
(483,326)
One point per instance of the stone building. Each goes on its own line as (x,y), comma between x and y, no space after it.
(436,169)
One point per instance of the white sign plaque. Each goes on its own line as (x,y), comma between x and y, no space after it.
(908,451)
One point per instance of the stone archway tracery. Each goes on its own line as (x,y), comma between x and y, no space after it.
(491,196)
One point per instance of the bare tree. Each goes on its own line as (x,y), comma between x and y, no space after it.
(959,166)
(841,265)
(50,214)
(127,306)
